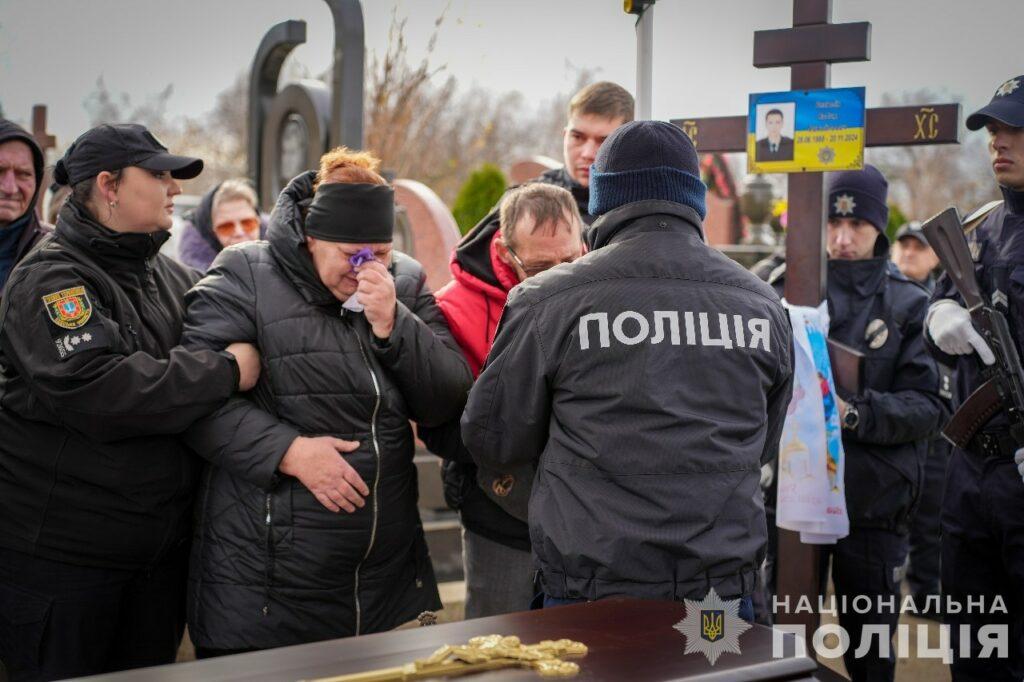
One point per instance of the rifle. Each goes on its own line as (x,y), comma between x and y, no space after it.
(1004,381)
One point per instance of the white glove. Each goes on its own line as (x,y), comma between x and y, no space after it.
(1018,457)
(949,325)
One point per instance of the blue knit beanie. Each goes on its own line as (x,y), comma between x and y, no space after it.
(642,161)
(859,194)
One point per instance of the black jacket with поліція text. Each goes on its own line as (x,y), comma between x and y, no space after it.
(647,382)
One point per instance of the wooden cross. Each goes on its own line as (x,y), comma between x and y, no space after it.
(809,48)
(45,141)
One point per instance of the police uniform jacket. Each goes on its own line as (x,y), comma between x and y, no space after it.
(997,245)
(94,391)
(877,310)
(270,565)
(648,381)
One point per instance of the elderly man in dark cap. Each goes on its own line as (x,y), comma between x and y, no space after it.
(983,506)
(647,382)
(21,175)
(877,310)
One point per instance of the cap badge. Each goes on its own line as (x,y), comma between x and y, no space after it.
(845,204)
(1008,87)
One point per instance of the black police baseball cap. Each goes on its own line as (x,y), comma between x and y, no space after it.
(913,231)
(1007,106)
(113,147)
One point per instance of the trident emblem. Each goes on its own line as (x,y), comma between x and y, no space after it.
(712,625)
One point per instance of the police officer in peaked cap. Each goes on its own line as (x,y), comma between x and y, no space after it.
(983,507)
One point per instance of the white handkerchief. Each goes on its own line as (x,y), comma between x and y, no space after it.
(353,304)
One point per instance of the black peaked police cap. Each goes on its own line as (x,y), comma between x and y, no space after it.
(354,213)
(113,147)
(1007,106)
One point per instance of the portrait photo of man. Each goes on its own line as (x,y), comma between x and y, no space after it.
(772,145)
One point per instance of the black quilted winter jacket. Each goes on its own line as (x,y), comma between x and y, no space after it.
(270,566)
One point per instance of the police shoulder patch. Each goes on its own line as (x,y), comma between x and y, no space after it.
(68,308)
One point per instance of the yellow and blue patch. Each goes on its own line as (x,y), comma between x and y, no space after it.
(70,311)
(68,308)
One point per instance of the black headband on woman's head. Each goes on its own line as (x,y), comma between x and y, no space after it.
(352,213)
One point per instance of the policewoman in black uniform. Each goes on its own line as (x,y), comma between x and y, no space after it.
(95,485)
(983,506)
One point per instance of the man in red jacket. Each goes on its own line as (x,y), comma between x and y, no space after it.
(540,227)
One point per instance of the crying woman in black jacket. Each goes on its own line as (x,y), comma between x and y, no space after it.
(308,523)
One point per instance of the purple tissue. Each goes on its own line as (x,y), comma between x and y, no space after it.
(363,255)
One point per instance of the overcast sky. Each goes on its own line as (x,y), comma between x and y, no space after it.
(52,51)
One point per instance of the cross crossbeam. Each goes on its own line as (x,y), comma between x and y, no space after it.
(885,127)
(809,48)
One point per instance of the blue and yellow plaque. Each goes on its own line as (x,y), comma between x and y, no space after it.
(806,130)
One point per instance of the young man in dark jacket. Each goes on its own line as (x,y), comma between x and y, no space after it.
(353,347)
(540,229)
(648,382)
(877,310)
(21,175)
(594,112)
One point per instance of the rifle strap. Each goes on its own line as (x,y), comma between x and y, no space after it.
(974,413)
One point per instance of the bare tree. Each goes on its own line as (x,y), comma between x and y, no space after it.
(423,128)
(217,137)
(416,120)
(104,106)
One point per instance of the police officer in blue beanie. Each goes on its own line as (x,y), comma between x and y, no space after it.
(645,383)
(983,506)
(877,310)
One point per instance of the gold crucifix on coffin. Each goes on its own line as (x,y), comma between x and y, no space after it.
(491,652)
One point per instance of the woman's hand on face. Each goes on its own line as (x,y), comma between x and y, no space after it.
(376,293)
